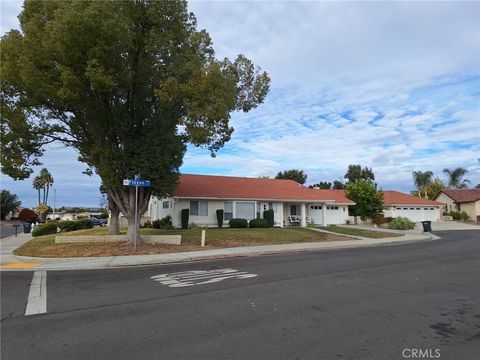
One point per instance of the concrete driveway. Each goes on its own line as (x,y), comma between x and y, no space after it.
(452,225)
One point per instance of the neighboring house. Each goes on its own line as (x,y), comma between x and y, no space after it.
(248,198)
(72,216)
(467,200)
(412,207)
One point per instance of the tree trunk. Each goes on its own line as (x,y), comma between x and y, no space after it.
(113,228)
(46,198)
(38,196)
(124,199)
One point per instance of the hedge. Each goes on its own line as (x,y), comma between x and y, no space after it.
(238,223)
(220,217)
(45,229)
(258,223)
(75,225)
(268,215)
(184,215)
(401,223)
(164,223)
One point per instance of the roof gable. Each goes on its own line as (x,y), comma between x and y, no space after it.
(462,195)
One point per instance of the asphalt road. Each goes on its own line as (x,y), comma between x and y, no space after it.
(372,303)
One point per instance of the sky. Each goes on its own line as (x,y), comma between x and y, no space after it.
(390,85)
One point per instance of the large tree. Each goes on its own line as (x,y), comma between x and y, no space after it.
(128,84)
(8,203)
(455,178)
(321,185)
(422,180)
(293,174)
(356,172)
(368,200)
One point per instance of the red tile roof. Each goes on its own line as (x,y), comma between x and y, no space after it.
(392,197)
(229,187)
(462,195)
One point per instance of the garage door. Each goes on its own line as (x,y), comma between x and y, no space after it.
(333,215)
(417,213)
(315,214)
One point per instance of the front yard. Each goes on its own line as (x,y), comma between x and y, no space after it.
(44,246)
(359,232)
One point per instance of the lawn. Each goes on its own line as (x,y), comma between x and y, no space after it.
(359,232)
(44,246)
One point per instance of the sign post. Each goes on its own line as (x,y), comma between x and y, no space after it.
(137,182)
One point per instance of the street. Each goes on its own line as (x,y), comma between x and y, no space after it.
(368,303)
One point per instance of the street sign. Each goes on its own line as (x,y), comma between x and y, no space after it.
(127,182)
(137,183)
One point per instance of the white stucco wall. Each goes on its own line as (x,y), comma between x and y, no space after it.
(156,211)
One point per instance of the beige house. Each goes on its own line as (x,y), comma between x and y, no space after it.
(467,200)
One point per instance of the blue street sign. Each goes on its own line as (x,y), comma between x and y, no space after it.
(139,183)
(137,177)
(127,182)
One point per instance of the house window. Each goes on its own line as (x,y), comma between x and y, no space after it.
(245,210)
(227,210)
(199,208)
(293,209)
(166,204)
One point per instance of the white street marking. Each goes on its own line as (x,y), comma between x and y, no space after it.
(199,277)
(37,297)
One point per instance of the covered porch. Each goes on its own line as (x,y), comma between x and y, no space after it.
(303,213)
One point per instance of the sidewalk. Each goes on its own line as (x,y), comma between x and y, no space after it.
(8,244)
(135,260)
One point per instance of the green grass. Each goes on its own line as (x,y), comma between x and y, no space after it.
(44,246)
(359,232)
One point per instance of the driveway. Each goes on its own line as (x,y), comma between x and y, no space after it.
(452,225)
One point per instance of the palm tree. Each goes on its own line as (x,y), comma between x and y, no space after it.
(47,182)
(455,178)
(38,185)
(422,181)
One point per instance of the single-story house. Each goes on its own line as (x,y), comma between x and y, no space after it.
(412,207)
(467,200)
(247,198)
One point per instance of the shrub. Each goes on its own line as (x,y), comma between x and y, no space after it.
(456,215)
(147,224)
(464,216)
(220,217)
(388,219)
(238,223)
(45,229)
(75,225)
(163,223)
(401,223)
(184,215)
(259,223)
(28,215)
(379,219)
(268,215)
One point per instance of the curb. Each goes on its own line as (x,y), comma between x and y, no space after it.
(115,262)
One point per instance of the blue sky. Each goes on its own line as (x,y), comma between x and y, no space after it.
(393,86)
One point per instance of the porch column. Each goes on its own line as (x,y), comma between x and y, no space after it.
(303,217)
(324,215)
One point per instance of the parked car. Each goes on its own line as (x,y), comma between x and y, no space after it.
(99,222)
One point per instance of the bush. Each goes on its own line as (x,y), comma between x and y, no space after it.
(185,213)
(379,219)
(401,223)
(45,229)
(388,219)
(28,215)
(464,216)
(164,223)
(259,223)
(268,215)
(75,225)
(147,224)
(220,217)
(238,223)
(456,215)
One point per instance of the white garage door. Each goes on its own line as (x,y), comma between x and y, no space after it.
(315,214)
(334,215)
(417,213)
